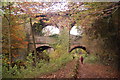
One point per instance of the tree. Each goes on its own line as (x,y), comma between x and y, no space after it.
(98,21)
(13,35)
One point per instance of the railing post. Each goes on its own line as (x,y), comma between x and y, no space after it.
(33,37)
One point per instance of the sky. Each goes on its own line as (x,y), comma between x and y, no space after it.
(53,30)
(50,30)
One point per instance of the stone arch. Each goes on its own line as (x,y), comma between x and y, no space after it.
(40,55)
(42,48)
(76,30)
(50,29)
(78,46)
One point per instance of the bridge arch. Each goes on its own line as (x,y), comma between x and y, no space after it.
(50,30)
(79,47)
(40,55)
(76,30)
(42,48)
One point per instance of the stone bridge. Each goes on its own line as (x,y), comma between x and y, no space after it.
(41,41)
(48,41)
(60,21)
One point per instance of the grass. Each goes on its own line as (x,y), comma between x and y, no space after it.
(91,59)
(58,58)
(42,68)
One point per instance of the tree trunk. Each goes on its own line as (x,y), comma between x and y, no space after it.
(69,40)
(9,38)
(28,39)
(33,37)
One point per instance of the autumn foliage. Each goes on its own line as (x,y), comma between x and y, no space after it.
(17,36)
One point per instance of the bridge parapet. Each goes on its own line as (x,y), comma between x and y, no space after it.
(43,39)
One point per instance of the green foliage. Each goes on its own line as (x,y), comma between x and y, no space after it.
(58,58)
(37,28)
(42,67)
(101,32)
(12,73)
(62,44)
(55,64)
(105,34)
(91,59)
(54,36)
(79,52)
(63,40)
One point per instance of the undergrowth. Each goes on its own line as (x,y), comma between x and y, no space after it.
(42,67)
(91,59)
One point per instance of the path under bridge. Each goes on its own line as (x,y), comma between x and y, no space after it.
(48,41)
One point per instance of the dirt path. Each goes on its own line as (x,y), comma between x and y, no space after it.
(64,72)
(96,71)
(85,70)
